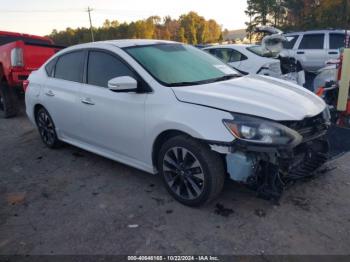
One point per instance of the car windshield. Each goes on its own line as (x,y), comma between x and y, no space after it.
(180,65)
(258,50)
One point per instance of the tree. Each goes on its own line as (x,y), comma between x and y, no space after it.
(189,28)
(181,36)
(250,12)
(298,14)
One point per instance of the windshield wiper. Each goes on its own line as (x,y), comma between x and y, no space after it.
(185,84)
(222,78)
(226,77)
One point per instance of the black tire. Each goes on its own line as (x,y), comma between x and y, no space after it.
(208,176)
(8,101)
(46,128)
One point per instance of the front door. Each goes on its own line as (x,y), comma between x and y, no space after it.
(113,122)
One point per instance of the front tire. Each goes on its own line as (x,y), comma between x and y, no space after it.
(192,173)
(46,128)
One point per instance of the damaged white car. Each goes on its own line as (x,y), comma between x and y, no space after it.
(169,108)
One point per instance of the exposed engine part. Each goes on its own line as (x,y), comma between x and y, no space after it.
(269,183)
(269,173)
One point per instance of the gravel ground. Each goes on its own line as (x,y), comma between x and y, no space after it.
(69,201)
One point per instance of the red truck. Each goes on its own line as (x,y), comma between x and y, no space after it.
(20,54)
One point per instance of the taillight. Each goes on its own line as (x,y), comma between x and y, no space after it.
(25,85)
(17,57)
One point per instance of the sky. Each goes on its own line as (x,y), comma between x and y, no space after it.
(40,17)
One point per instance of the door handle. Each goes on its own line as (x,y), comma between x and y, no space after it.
(87,101)
(300,52)
(50,93)
(333,53)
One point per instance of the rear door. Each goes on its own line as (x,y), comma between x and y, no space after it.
(335,43)
(60,93)
(111,121)
(312,51)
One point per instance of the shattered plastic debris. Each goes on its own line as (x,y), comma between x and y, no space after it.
(222,211)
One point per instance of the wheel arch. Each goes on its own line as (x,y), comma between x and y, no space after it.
(161,139)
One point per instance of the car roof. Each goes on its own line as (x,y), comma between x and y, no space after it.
(317,32)
(121,43)
(239,46)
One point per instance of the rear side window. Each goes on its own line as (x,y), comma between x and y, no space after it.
(228,55)
(50,67)
(336,41)
(237,56)
(70,66)
(102,67)
(313,41)
(224,54)
(291,40)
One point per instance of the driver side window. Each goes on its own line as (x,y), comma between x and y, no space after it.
(102,67)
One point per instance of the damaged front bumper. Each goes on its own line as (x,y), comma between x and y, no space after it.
(268,169)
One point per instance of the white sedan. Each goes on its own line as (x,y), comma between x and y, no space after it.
(248,59)
(169,108)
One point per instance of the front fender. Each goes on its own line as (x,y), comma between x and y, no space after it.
(197,121)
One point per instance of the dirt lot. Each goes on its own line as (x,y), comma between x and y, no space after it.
(69,201)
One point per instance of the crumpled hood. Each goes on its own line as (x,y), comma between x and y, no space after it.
(255,95)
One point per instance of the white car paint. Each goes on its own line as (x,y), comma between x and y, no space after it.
(252,63)
(244,95)
(125,126)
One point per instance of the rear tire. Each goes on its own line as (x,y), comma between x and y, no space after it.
(47,129)
(8,101)
(192,173)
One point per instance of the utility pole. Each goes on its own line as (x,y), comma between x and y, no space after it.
(89,10)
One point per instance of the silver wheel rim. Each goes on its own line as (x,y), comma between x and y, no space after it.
(46,128)
(183,173)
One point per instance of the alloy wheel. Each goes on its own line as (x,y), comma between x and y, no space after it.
(183,173)
(46,128)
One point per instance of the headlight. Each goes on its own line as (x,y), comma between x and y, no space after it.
(260,131)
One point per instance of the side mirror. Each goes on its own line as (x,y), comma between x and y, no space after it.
(122,84)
